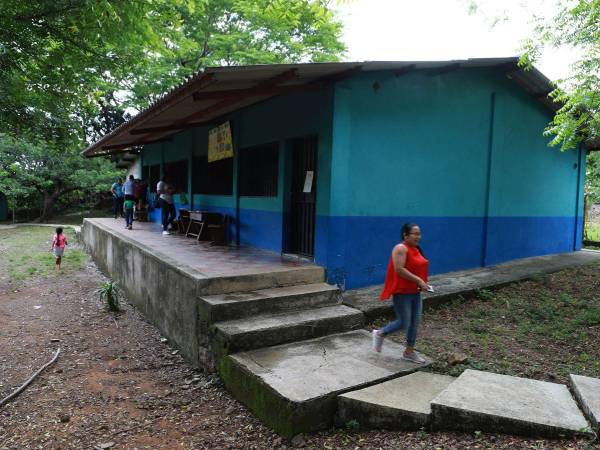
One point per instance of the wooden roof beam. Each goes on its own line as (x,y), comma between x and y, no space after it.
(224,103)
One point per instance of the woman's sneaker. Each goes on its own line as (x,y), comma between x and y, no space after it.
(377,340)
(413,357)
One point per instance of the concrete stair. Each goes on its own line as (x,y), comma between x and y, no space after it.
(271,329)
(259,318)
(223,307)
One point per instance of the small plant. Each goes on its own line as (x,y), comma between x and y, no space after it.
(109,293)
(352,425)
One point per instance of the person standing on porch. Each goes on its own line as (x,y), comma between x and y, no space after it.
(116,190)
(405,279)
(129,188)
(165,192)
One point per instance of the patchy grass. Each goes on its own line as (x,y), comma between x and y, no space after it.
(25,253)
(76,217)
(592,231)
(544,328)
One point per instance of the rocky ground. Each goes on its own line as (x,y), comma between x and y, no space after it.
(117,385)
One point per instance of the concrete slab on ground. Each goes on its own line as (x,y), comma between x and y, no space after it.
(402,403)
(587,392)
(293,388)
(487,401)
(452,283)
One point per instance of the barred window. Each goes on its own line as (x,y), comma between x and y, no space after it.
(259,171)
(214,178)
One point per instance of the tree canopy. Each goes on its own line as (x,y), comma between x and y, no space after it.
(576,25)
(70,69)
(66,66)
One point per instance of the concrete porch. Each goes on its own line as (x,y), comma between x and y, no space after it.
(211,300)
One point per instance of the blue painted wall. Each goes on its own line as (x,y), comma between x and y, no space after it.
(419,147)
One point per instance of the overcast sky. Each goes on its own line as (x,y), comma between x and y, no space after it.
(444,29)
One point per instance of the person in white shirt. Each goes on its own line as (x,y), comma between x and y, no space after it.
(165,192)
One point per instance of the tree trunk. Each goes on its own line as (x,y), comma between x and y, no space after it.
(48,205)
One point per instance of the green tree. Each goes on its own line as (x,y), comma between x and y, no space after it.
(34,174)
(576,25)
(69,69)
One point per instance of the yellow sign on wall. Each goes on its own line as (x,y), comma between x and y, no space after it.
(219,143)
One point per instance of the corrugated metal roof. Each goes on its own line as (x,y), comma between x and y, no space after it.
(220,90)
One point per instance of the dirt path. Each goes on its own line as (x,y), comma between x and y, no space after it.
(117,383)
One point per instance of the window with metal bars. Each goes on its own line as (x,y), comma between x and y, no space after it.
(178,175)
(214,178)
(259,171)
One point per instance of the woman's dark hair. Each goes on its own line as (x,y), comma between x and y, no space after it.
(406,229)
(59,230)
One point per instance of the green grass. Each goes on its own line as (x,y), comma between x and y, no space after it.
(76,217)
(26,253)
(592,232)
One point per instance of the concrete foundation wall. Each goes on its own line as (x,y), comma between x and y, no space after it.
(165,294)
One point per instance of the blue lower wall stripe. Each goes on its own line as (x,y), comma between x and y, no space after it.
(359,247)
(355,250)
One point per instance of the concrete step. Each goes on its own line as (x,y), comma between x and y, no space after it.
(500,403)
(587,393)
(222,307)
(271,329)
(246,282)
(293,388)
(400,404)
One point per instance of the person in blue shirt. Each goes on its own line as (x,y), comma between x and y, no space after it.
(117,192)
(129,188)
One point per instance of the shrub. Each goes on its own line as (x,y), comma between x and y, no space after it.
(109,293)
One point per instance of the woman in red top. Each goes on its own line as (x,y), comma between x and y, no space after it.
(406,277)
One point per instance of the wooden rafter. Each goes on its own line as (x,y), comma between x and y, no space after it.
(221,104)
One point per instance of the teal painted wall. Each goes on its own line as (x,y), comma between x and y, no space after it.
(418,147)
(276,120)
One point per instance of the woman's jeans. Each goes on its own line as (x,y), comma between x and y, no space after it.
(117,206)
(168,213)
(408,309)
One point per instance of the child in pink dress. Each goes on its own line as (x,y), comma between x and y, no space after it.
(59,241)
